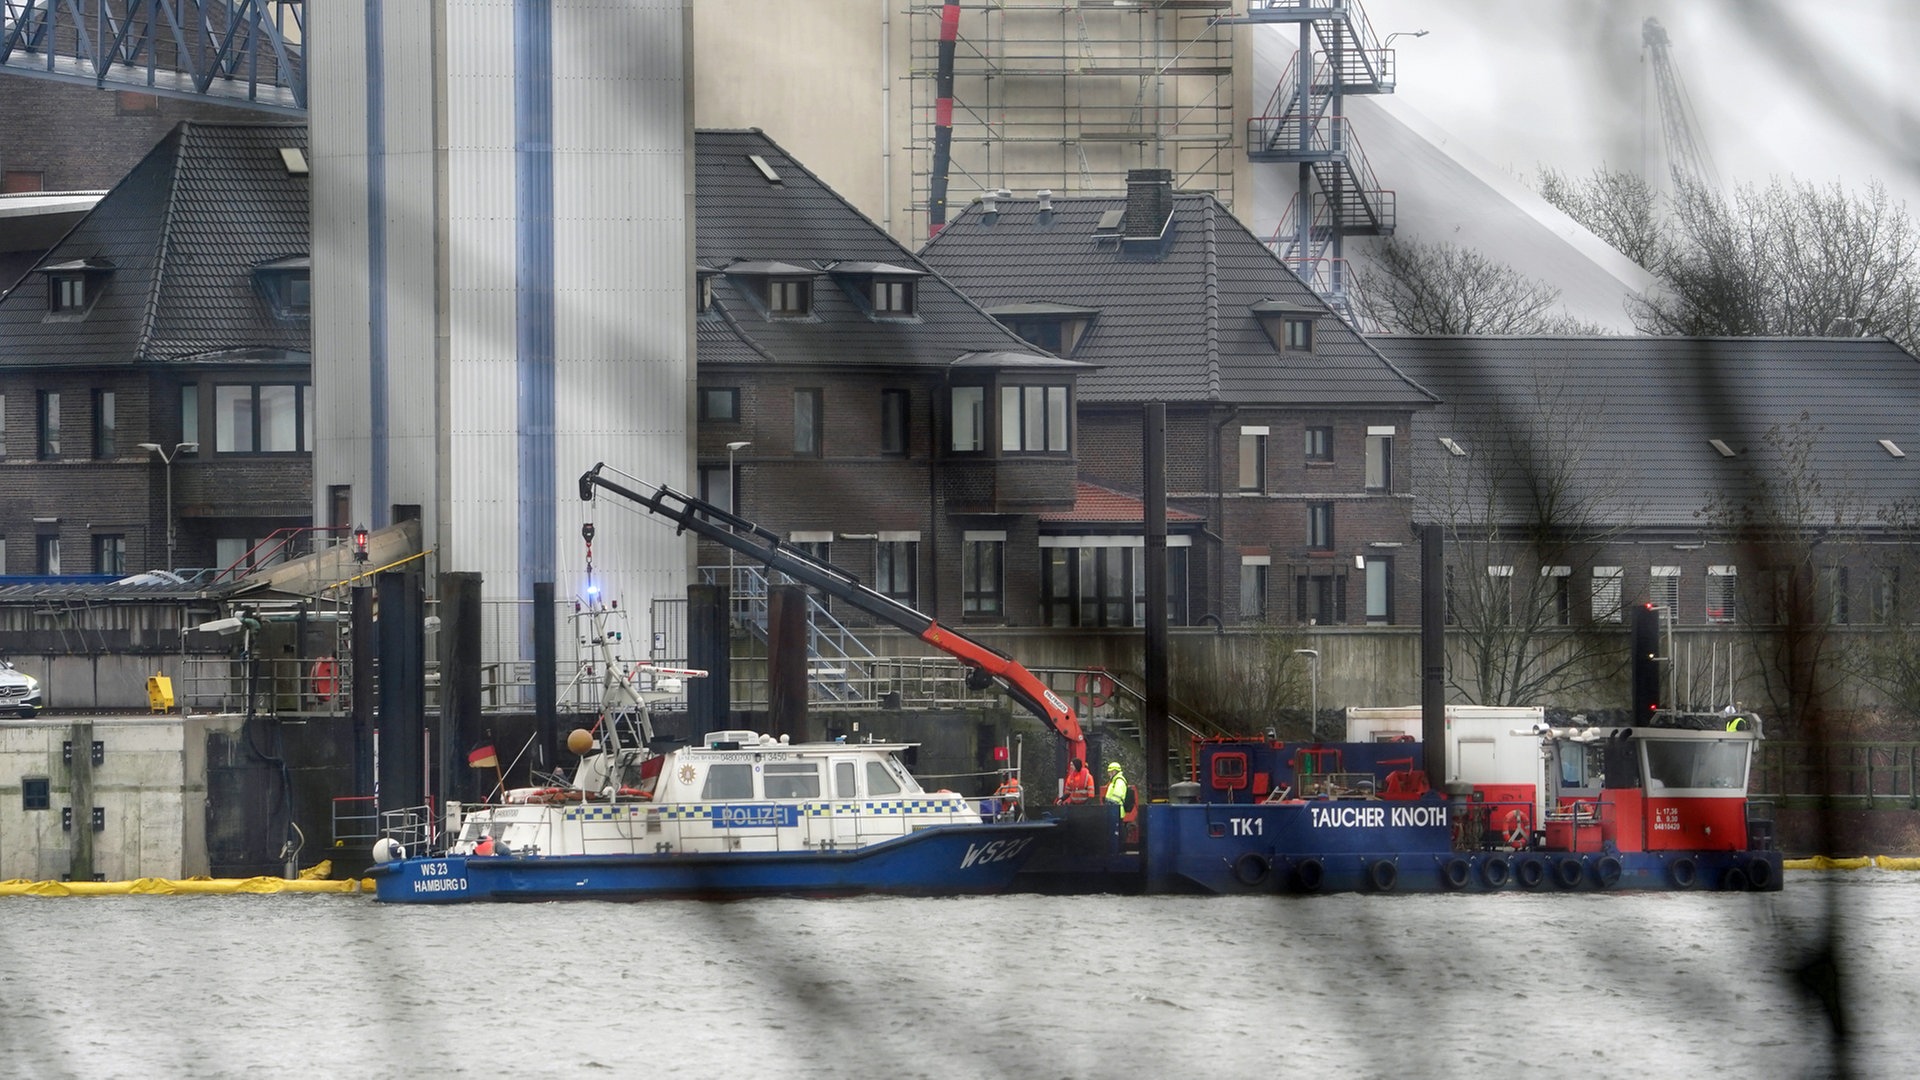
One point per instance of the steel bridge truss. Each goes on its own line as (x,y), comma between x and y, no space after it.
(245,53)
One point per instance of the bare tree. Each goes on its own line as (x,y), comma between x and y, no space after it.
(1792,259)
(1414,287)
(1617,206)
(1523,506)
(1800,528)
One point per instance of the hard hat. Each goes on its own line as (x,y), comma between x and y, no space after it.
(1113,766)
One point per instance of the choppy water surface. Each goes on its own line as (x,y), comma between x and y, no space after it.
(1017,986)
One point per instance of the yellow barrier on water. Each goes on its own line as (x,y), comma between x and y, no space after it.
(1862,862)
(311,880)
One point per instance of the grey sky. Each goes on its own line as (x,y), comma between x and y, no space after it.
(1819,91)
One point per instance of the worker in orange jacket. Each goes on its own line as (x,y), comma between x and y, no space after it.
(1079,783)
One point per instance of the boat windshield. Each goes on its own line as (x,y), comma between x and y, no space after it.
(1696,763)
(880,781)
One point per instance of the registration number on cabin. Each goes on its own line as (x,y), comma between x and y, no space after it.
(438,877)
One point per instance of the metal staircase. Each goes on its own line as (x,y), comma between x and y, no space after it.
(1302,124)
(842,667)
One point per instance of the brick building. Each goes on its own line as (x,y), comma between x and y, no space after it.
(174,316)
(853,394)
(1285,429)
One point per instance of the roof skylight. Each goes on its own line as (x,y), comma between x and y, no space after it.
(1891,449)
(766,170)
(1723,448)
(1453,448)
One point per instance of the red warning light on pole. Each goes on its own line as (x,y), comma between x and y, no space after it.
(360,544)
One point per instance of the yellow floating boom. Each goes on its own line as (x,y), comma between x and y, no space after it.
(1862,862)
(311,880)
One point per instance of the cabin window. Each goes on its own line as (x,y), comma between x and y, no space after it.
(792,779)
(880,781)
(843,780)
(728,782)
(1696,764)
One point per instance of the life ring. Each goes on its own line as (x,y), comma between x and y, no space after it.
(1310,873)
(1251,868)
(1093,689)
(326,679)
(1457,871)
(1683,873)
(1383,875)
(1568,873)
(1607,871)
(1735,880)
(1759,873)
(1516,830)
(1530,872)
(1496,871)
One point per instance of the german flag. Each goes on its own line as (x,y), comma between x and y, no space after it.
(484,758)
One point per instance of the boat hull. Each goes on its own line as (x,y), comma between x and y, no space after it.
(1375,847)
(945,860)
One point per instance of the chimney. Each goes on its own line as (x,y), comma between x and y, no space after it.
(1149,203)
(1045,195)
(988,203)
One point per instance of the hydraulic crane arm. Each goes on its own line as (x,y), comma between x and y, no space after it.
(984,664)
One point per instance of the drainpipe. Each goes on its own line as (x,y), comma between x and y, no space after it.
(1218,479)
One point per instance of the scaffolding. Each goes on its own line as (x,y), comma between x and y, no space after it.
(1065,97)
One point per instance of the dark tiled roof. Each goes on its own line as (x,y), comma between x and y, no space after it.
(183,231)
(1633,417)
(1096,505)
(1179,327)
(742,218)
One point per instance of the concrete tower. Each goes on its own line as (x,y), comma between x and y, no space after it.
(502,254)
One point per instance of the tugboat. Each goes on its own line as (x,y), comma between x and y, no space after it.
(741,814)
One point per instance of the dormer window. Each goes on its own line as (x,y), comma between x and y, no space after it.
(892,296)
(886,290)
(1057,328)
(789,297)
(287,285)
(73,286)
(782,290)
(1288,326)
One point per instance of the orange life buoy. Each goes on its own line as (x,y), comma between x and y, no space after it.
(1516,830)
(635,793)
(1093,689)
(326,679)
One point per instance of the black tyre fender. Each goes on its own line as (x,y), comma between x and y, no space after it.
(1251,868)
(1456,872)
(1309,874)
(1607,871)
(1569,873)
(1759,873)
(1684,873)
(1735,880)
(1530,872)
(1496,871)
(1383,875)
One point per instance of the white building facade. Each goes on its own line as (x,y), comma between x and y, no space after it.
(502,255)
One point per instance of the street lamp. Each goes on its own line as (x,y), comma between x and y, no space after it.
(733,504)
(167,460)
(1313,677)
(1387,44)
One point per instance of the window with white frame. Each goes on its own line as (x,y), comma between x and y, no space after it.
(1033,419)
(1253,587)
(1723,587)
(1663,589)
(1499,606)
(1558,594)
(1886,594)
(1379,468)
(1833,581)
(1253,459)
(969,419)
(1379,589)
(1607,582)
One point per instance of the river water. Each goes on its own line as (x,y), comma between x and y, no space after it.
(1581,985)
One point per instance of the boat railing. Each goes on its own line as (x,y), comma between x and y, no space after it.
(413,826)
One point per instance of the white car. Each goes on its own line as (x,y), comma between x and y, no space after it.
(19,691)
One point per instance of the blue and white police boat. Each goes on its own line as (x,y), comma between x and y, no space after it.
(742,814)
